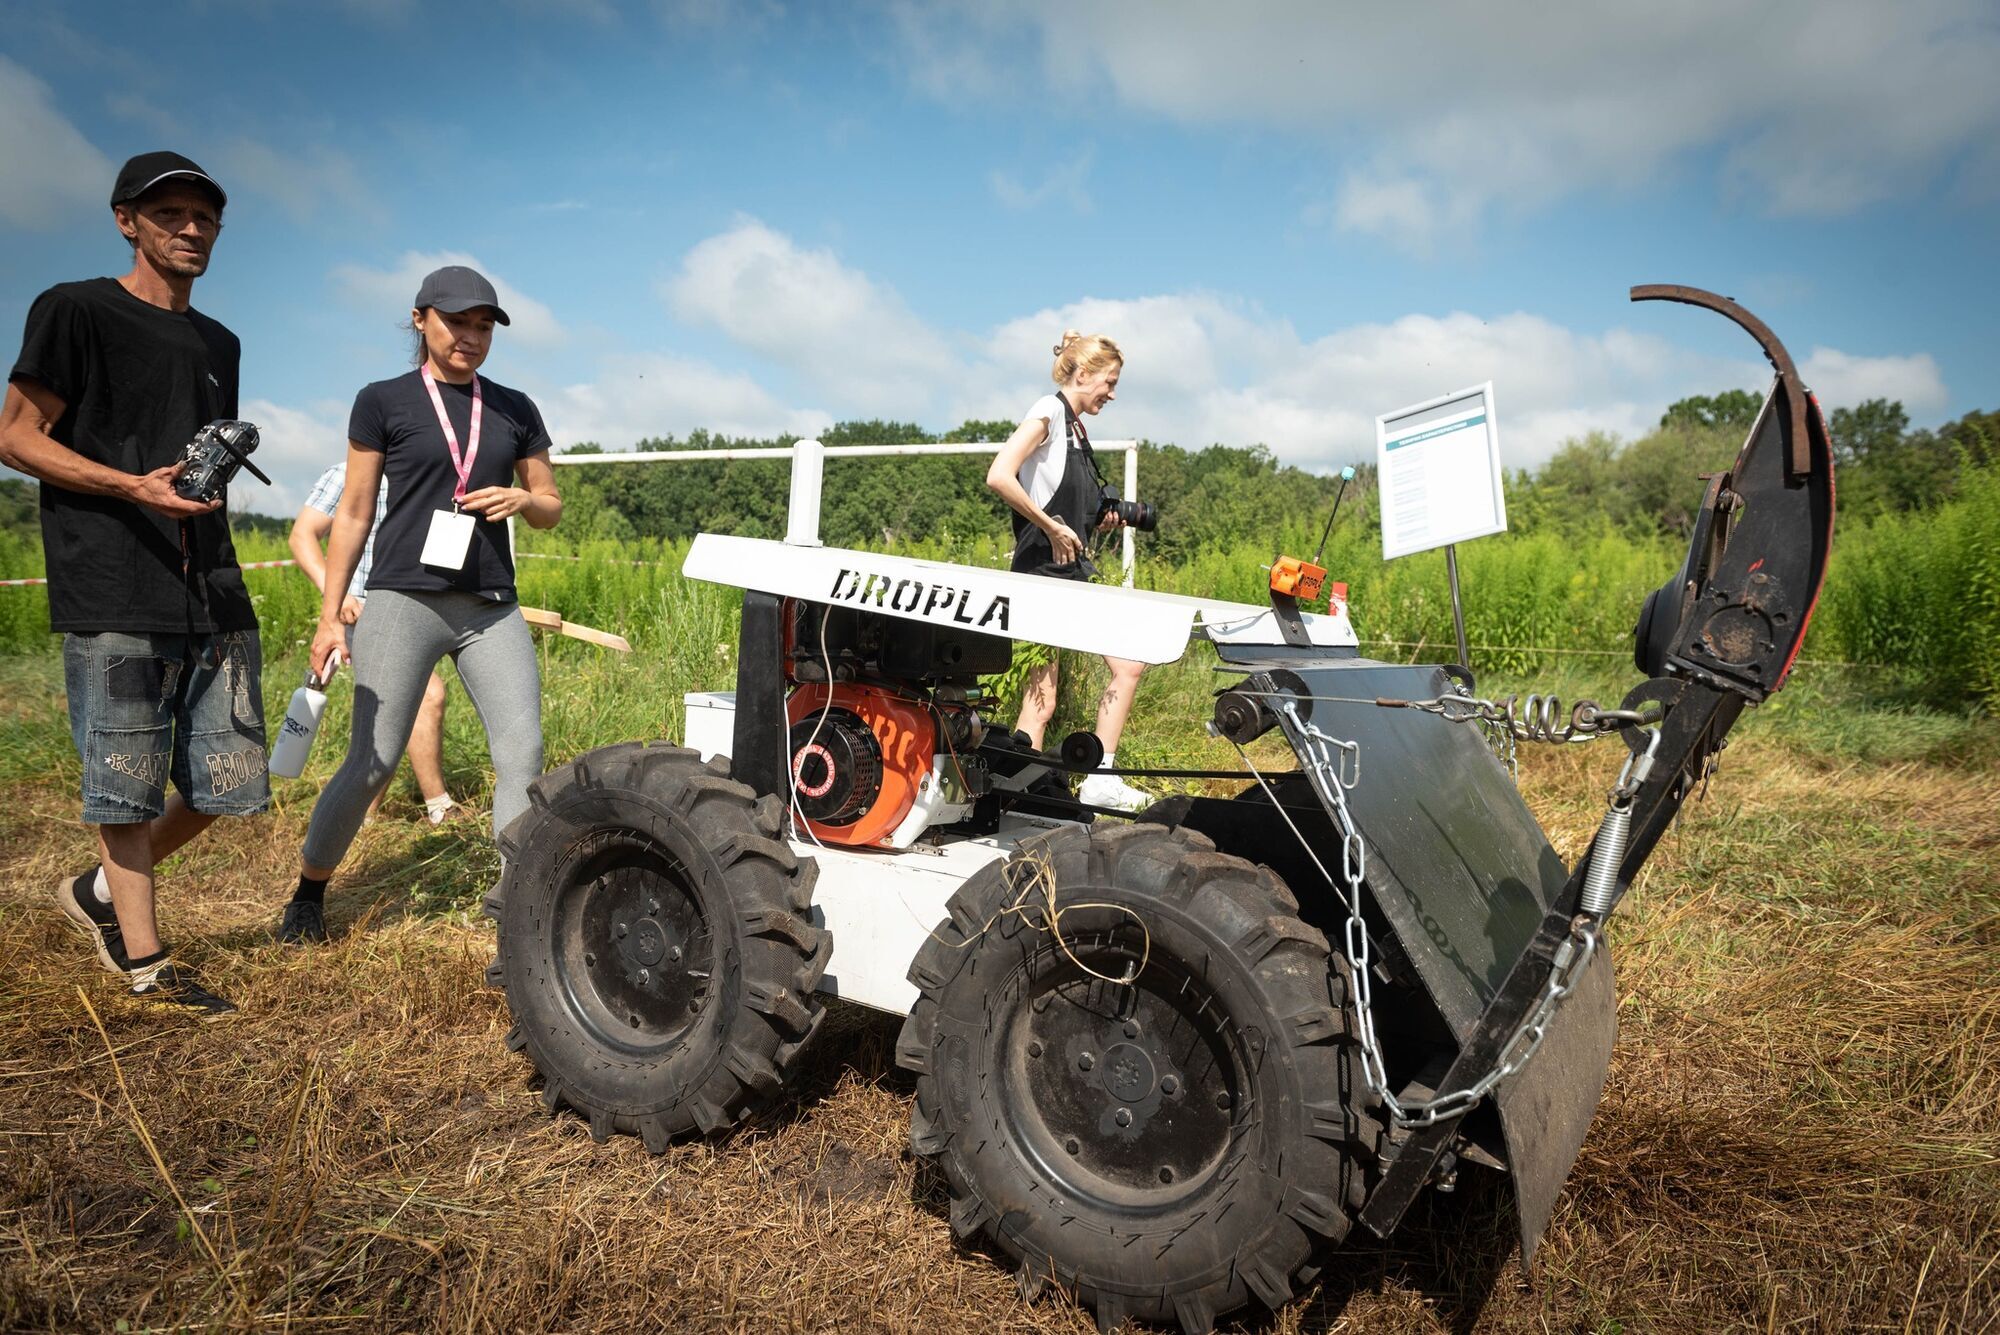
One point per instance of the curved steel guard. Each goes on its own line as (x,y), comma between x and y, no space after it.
(1800,462)
(1731,624)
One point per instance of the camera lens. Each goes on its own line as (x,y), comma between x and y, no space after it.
(1139,515)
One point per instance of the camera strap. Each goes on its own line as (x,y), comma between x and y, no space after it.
(1081,438)
(460,464)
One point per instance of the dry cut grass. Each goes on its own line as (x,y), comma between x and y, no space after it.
(1802,1127)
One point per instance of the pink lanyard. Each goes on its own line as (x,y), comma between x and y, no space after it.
(463,466)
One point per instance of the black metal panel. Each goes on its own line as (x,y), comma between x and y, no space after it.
(757,755)
(1546,1110)
(1456,861)
(1477,903)
(1745,622)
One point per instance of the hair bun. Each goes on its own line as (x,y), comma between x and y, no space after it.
(1069,336)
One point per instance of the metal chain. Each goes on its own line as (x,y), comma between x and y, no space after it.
(1321,754)
(1532,718)
(1536,717)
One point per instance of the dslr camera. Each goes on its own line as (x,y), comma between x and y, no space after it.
(212,458)
(1135,514)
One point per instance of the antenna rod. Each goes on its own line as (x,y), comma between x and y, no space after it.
(1346,476)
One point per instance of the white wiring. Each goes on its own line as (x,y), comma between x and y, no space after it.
(1303,842)
(791,760)
(1030,876)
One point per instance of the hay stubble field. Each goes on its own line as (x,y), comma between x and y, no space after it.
(1801,1129)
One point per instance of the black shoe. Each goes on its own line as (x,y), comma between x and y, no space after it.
(304,924)
(81,906)
(171,985)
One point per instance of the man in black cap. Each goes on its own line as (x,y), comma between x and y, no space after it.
(160,654)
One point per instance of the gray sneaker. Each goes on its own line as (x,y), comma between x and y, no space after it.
(304,924)
(96,919)
(170,985)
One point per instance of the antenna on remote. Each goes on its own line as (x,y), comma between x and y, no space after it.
(1346,476)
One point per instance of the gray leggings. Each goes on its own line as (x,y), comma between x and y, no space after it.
(398,640)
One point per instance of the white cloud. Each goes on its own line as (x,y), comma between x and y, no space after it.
(294,446)
(1843,380)
(1062,185)
(52,173)
(390,292)
(638,396)
(1444,111)
(306,182)
(809,312)
(149,116)
(1199,368)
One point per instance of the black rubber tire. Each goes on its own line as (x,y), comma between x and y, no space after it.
(1240,1008)
(633,867)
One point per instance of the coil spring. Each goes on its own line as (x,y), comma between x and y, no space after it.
(1540,718)
(1600,883)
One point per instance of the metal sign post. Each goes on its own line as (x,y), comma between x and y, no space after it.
(1438,466)
(1457,604)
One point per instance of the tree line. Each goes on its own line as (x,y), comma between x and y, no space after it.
(1223,495)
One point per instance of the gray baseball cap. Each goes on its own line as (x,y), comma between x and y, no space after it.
(456,288)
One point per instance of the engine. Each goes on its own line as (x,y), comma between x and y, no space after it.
(882,723)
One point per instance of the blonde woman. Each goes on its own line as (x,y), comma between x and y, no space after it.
(1048,475)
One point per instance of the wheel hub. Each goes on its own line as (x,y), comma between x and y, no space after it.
(634,944)
(1128,1074)
(648,943)
(1128,1090)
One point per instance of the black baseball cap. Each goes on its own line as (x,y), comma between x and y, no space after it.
(142,173)
(456,288)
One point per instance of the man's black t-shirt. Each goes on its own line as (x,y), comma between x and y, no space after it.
(136,382)
(397,418)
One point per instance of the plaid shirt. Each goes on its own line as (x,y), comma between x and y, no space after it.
(325,498)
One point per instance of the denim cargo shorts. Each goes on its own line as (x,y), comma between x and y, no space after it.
(146,708)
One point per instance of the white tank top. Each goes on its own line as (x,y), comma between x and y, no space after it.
(1042,471)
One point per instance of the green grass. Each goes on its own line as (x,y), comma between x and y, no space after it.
(1799,1127)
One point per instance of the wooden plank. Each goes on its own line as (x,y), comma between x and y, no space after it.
(543,619)
(590,635)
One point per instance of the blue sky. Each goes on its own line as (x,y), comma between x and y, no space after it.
(763,218)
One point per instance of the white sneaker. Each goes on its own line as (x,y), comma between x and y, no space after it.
(1111,790)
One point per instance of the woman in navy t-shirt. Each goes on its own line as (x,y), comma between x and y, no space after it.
(461,456)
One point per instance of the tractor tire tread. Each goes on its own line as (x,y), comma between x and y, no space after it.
(754,893)
(1290,1200)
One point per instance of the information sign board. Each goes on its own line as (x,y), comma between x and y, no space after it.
(1438,466)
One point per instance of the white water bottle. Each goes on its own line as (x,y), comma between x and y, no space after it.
(301,725)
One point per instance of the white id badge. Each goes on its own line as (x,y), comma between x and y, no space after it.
(449,541)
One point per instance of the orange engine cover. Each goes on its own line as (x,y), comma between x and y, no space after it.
(907,736)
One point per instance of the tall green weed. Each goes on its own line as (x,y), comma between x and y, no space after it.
(1918,592)
(1921,592)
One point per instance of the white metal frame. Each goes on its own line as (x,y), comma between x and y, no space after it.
(802,526)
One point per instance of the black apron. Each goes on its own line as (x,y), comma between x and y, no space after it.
(1075,503)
